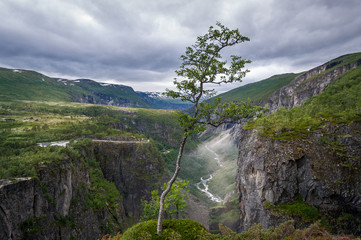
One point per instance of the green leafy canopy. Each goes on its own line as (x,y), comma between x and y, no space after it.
(203,65)
(174,203)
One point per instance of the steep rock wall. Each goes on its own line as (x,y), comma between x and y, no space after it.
(323,169)
(134,168)
(308,84)
(65,201)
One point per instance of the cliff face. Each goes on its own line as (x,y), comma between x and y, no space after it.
(134,168)
(323,170)
(309,84)
(83,197)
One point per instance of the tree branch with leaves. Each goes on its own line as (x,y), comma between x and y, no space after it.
(203,66)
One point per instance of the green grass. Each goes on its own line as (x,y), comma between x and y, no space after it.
(29,85)
(172,229)
(297,208)
(336,63)
(258,91)
(340,103)
(187,229)
(33,86)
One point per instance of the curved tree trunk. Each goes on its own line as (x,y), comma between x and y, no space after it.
(170,183)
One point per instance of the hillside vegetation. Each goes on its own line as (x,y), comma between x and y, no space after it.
(186,229)
(34,86)
(25,124)
(258,91)
(340,103)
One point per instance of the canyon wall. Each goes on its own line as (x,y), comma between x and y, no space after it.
(95,191)
(323,169)
(309,84)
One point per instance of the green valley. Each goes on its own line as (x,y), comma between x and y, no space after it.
(266,171)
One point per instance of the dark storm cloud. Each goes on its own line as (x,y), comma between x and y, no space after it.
(139,42)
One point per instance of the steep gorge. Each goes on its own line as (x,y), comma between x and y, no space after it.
(96,191)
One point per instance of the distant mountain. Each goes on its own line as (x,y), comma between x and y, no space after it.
(108,94)
(158,100)
(33,86)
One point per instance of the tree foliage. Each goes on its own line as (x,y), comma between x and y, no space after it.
(203,66)
(174,202)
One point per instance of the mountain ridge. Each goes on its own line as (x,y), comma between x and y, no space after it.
(30,85)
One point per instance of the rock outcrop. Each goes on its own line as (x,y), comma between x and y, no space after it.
(323,169)
(309,84)
(95,191)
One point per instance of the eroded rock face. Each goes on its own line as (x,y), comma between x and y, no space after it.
(323,170)
(57,205)
(308,84)
(135,169)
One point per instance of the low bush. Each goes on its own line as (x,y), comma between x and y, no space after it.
(172,229)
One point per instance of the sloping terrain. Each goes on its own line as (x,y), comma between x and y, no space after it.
(260,91)
(33,86)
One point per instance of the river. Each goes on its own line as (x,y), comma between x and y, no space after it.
(204,182)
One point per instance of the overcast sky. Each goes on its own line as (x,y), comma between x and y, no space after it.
(138,42)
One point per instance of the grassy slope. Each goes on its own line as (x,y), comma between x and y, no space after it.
(33,86)
(340,103)
(258,91)
(186,229)
(29,85)
(114,91)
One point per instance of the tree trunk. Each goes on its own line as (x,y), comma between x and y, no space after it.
(170,183)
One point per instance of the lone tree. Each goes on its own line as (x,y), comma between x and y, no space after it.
(203,66)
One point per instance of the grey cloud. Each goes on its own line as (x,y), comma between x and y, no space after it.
(140,41)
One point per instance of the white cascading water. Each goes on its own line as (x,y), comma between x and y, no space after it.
(204,182)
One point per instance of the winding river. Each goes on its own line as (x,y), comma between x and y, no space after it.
(204,182)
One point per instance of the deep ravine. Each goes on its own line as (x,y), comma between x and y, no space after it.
(204,182)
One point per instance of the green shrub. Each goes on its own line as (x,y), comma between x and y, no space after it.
(297,208)
(172,229)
